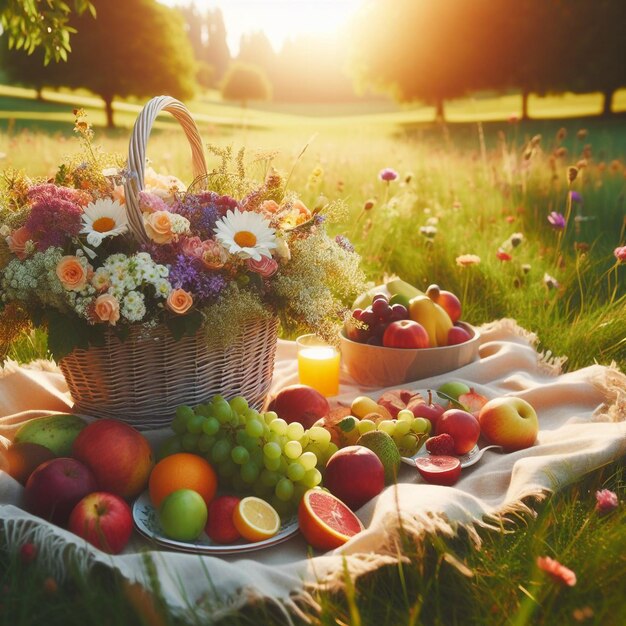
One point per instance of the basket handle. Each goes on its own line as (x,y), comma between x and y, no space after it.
(134,182)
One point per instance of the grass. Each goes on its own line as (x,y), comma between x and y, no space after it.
(477,184)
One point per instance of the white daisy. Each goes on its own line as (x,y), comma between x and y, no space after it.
(246,234)
(103,218)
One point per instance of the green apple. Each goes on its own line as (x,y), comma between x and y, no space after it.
(453,389)
(183,515)
(510,422)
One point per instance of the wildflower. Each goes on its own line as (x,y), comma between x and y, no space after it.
(535,141)
(369,205)
(513,118)
(503,256)
(576,197)
(466,260)
(581,246)
(107,308)
(428,231)
(558,572)
(344,242)
(557,220)
(510,219)
(620,254)
(581,165)
(526,267)
(561,134)
(572,173)
(247,234)
(50,585)
(580,615)
(615,166)
(516,239)
(28,552)
(606,501)
(103,218)
(188,273)
(179,301)
(550,282)
(582,134)
(388,174)
(408,177)
(456,205)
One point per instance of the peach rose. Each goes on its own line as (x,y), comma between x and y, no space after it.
(192,246)
(159,226)
(299,206)
(269,207)
(72,273)
(213,255)
(17,241)
(107,308)
(265,267)
(179,301)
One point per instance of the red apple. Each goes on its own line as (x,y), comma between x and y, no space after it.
(510,422)
(439,469)
(354,475)
(104,520)
(300,403)
(119,456)
(220,526)
(432,411)
(397,399)
(462,426)
(55,487)
(457,335)
(447,301)
(405,334)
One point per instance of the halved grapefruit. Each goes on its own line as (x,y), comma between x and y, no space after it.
(439,469)
(325,521)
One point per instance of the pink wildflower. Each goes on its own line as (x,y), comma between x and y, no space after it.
(558,572)
(557,220)
(467,259)
(503,256)
(28,552)
(620,254)
(510,219)
(606,501)
(388,174)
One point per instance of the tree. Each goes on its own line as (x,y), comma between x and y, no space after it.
(420,49)
(31,24)
(134,48)
(256,48)
(216,52)
(244,81)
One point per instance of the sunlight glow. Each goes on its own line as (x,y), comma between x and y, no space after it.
(280,20)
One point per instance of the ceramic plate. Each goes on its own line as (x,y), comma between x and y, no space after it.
(147,523)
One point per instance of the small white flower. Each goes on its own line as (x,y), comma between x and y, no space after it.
(246,234)
(103,218)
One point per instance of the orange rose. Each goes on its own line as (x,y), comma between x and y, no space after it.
(107,308)
(179,301)
(159,226)
(72,273)
(17,241)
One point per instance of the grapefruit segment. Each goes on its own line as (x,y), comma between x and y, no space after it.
(439,469)
(325,521)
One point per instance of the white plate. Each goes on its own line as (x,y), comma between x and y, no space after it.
(147,523)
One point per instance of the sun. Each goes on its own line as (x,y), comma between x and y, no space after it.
(280,20)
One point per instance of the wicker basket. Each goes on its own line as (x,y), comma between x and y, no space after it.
(143,379)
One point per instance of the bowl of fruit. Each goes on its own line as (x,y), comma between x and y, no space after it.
(397,334)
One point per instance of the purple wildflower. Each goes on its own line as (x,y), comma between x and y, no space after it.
(319,219)
(576,197)
(56,214)
(606,501)
(344,243)
(387,174)
(557,220)
(189,274)
(203,210)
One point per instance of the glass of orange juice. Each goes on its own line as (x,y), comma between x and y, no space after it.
(318,364)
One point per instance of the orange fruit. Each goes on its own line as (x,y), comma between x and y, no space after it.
(182,471)
(256,519)
(325,521)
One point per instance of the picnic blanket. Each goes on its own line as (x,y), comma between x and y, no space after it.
(582,416)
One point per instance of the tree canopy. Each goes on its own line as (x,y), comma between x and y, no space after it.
(244,82)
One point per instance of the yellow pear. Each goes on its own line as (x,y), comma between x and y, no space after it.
(422,310)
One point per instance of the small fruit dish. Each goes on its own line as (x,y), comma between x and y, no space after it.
(379,366)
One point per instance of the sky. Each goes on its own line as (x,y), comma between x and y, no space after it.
(279,19)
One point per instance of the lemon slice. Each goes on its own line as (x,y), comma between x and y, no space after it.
(255,519)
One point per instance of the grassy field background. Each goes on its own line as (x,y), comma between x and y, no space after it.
(477,181)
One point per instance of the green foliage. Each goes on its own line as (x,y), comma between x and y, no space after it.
(32,24)
(244,82)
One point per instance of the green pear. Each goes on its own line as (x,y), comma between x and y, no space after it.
(56,432)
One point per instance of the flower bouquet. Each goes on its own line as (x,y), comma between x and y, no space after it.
(154,294)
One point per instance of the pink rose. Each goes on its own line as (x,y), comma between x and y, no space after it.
(151,203)
(159,226)
(213,255)
(192,246)
(107,308)
(72,273)
(179,301)
(17,241)
(265,267)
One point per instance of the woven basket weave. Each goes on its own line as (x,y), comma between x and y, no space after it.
(143,379)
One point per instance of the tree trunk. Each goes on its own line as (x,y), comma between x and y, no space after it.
(39,93)
(108,107)
(439,110)
(525,95)
(607,107)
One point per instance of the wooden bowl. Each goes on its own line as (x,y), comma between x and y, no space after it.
(377,366)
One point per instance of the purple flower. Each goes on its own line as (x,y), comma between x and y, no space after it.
(344,242)
(56,214)
(388,174)
(606,501)
(189,274)
(557,220)
(576,197)
(203,210)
